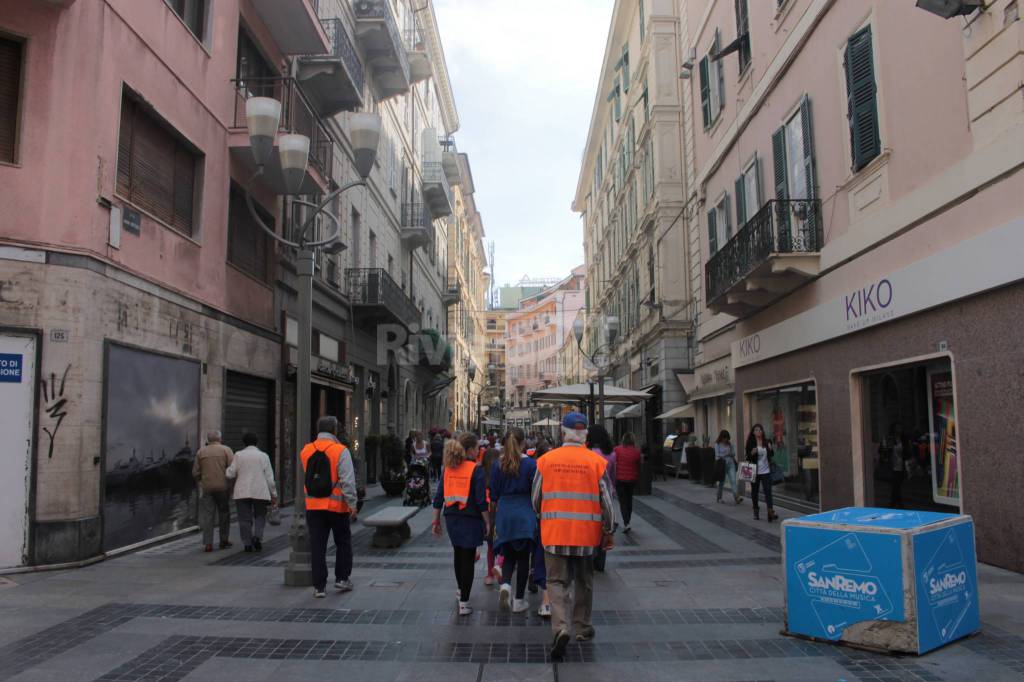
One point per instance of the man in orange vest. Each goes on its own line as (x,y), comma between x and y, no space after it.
(575,507)
(331,502)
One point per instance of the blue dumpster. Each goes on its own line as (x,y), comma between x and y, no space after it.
(887,579)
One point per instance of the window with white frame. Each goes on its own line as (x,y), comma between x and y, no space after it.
(748,191)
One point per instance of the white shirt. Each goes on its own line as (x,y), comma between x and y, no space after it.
(763,467)
(254,475)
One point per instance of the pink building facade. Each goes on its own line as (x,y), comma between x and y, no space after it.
(858,173)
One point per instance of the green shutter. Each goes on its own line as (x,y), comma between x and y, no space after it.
(728,217)
(808,134)
(705,92)
(743,33)
(741,205)
(642,27)
(720,74)
(625,67)
(712,233)
(781,189)
(759,199)
(862,106)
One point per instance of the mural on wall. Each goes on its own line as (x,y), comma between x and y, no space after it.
(152,434)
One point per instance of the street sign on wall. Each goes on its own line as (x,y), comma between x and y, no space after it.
(10,368)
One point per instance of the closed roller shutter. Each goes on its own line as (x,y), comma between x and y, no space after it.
(249,406)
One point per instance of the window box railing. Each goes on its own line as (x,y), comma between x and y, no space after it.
(781,227)
(343,48)
(378,294)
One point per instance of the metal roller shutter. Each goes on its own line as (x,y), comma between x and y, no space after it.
(249,406)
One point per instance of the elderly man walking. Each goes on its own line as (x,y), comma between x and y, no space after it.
(210,470)
(576,517)
(331,505)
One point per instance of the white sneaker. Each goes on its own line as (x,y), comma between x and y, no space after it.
(464,608)
(318,594)
(504,595)
(343,585)
(544,611)
(520,605)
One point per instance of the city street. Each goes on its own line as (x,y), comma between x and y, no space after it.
(694,593)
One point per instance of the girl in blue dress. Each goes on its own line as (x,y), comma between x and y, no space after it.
(516,521)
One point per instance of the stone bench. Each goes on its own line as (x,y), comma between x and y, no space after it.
(392,524)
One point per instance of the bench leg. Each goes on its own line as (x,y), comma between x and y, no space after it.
(405,531)
(387,537)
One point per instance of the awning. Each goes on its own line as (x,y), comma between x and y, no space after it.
(491,422)
(704,395)
(547,422)
(574,393)
(437,385)
(629,412)
(677,412)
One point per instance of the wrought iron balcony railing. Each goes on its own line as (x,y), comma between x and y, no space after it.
(374,289)
(297,116)
(342,48)
(782,226)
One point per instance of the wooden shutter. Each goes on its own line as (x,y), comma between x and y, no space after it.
(249,248)
(712,233)
(779,163)
(705,92)
(743,33)
(719,74)
(741,200)
(625,67)
(862,106)
(10,94)
(124,151)
(808,134)
(727,216)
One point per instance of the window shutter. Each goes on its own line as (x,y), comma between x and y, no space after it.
(712,232)
(727,216)
(719,74)
(759,199)
(809,165)
(124,150)
(10,93)
(184,190)
(779,163)
(741,201)
(862,106)
(705,92)
(625,67)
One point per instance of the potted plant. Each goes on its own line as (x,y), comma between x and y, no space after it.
(392,477)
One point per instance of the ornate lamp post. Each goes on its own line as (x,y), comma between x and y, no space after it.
(598,357)
(263,117)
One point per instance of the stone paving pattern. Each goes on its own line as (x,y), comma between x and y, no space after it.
(693,593)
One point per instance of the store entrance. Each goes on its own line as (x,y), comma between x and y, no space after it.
(789,415)
(910,438)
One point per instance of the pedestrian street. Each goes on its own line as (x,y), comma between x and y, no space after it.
(694,592)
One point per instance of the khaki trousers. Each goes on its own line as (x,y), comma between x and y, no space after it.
(564,571)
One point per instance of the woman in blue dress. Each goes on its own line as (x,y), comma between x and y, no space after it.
(462,494)
(516,521)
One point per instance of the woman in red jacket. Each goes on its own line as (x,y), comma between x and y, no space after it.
(627,473)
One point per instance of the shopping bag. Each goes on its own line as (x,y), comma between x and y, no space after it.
(274,516)
(748,472)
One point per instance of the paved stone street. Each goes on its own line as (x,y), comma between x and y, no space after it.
(694,593)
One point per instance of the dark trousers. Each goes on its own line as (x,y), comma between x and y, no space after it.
(435,468)
(322,524)
(896,494)
(517,562)
(465,564)
(252,515)
(214,509)
(624,490)
(764,480)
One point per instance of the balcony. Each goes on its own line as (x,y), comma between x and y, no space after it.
(297,116)
(417,226)
(335,80)
(294,25)
(385,51)
(436,191)
(453,293)
(450,161)
(419,60)
(377,299)
(773,253)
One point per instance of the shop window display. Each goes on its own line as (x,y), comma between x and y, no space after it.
(790,417)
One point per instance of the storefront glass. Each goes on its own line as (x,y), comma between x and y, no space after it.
(789,416)
(913,437)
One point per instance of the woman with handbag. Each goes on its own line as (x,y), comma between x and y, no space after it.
(758,450)
(725,457)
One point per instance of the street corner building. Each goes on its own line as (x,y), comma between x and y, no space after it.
(831,223)
(142,304)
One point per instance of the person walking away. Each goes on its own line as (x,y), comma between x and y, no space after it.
(898,446)
(487,459)
(726,454)
(331,505)
(627,473)
(515,522)
(209,470)
(436,456)
(255,491)
(759,450)
(570,492)
(462,495)
(600,442)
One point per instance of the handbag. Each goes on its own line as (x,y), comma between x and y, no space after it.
(748,472)
(274,516)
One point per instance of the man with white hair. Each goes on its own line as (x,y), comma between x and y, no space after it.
(210,471)
(576,517)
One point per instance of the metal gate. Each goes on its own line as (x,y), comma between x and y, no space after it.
(249,407)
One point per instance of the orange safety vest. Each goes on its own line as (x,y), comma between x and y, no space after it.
(456,483)
(570,510)
(336,502)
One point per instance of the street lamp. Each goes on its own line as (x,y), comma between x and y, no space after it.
(598,357)
(263,118)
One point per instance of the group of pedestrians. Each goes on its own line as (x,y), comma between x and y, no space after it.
(757,451)
(246,477)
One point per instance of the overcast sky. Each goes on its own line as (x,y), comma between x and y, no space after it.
(524,75)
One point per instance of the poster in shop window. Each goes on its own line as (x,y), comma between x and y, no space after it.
(943,440)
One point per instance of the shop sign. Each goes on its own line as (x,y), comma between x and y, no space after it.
(333,370)
(714,375)
(927,283)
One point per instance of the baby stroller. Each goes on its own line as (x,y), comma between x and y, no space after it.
(417,485)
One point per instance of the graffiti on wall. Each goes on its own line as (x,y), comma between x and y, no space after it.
(55,405)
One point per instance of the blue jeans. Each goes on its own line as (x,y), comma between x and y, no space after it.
(730,475)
